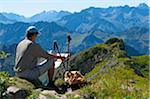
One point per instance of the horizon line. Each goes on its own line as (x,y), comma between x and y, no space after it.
(56,10)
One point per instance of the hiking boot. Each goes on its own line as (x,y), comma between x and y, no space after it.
(52,86)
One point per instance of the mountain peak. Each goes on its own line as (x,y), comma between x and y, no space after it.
(143,6)
(115,42)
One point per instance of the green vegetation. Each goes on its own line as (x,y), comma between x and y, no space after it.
(3,83)
(111,72)
(140,63)
(6,81)
(97,68)
(3,54)
(89,58)
(115,42)
(115,73)
(59,82)
(118,83)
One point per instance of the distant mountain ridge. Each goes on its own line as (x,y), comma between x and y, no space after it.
(13,33)
(112,19)
(47,16)
(4,19)
(87,27)
(118,13)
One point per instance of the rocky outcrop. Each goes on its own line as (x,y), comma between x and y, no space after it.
(14,92)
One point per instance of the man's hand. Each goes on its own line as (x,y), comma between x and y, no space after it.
(59,57)
(62,58)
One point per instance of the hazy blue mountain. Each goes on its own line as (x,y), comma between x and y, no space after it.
(15,17)
(49,16)
(43,16)
(13,33)
(87,20)
(87,42)
(5,20)
(137,37)
(112,19)
(132,51)
(143,6)
(88,27)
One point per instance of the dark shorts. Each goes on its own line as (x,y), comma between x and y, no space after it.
(35,73)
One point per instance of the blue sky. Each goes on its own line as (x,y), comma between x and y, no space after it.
(31,7)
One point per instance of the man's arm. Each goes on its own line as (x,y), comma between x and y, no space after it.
(42,53)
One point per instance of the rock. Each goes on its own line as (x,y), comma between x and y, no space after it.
(14,92)
(47,94)
(39,90)
(69,90)
(129,88)
(88,96)
(63,97)
(132,81)
(77,96)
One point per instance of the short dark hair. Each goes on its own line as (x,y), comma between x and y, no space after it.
(29,35)
(31,30)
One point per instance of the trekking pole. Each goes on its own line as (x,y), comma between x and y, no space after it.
(68,43)
(68,50)
(54,45)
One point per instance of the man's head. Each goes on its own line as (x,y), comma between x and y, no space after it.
(31,33)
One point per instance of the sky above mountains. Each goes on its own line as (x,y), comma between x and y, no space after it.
(31,7)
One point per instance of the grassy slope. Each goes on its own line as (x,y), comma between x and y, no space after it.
(118,82)
(114,74)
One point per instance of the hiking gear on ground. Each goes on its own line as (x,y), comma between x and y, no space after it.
(74,77)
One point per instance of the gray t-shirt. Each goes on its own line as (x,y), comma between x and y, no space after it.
(27,54)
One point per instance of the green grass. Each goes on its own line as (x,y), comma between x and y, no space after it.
(119,81)
(21,83)
(142,59)
(116,84)
(97,68)
(140,63)
(4,78)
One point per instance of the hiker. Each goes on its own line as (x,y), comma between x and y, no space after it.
(27,54)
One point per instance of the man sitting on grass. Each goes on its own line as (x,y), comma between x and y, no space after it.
(27,54)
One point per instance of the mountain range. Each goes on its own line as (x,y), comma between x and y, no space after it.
(47,16)
(87,27)
(112,19)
